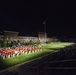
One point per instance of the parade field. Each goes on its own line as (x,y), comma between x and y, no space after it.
(46,49)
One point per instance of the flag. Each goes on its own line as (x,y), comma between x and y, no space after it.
(44,22)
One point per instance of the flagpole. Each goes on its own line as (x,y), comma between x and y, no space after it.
(45,30)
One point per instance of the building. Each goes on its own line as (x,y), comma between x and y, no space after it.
(42,36)
(10,36)
(27,39)
(14,36)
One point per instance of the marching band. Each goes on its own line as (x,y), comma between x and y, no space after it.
(16,51)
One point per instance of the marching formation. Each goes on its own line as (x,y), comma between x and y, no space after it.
(16,51)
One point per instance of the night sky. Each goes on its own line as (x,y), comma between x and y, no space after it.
(27,17)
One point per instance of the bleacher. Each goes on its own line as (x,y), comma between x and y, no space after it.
(9,73)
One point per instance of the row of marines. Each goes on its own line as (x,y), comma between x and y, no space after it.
(16,51)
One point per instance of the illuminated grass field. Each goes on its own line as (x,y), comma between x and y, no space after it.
(47,48)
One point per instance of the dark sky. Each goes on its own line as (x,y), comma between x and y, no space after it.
(27,16)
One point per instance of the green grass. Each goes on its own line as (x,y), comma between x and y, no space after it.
(47,48)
